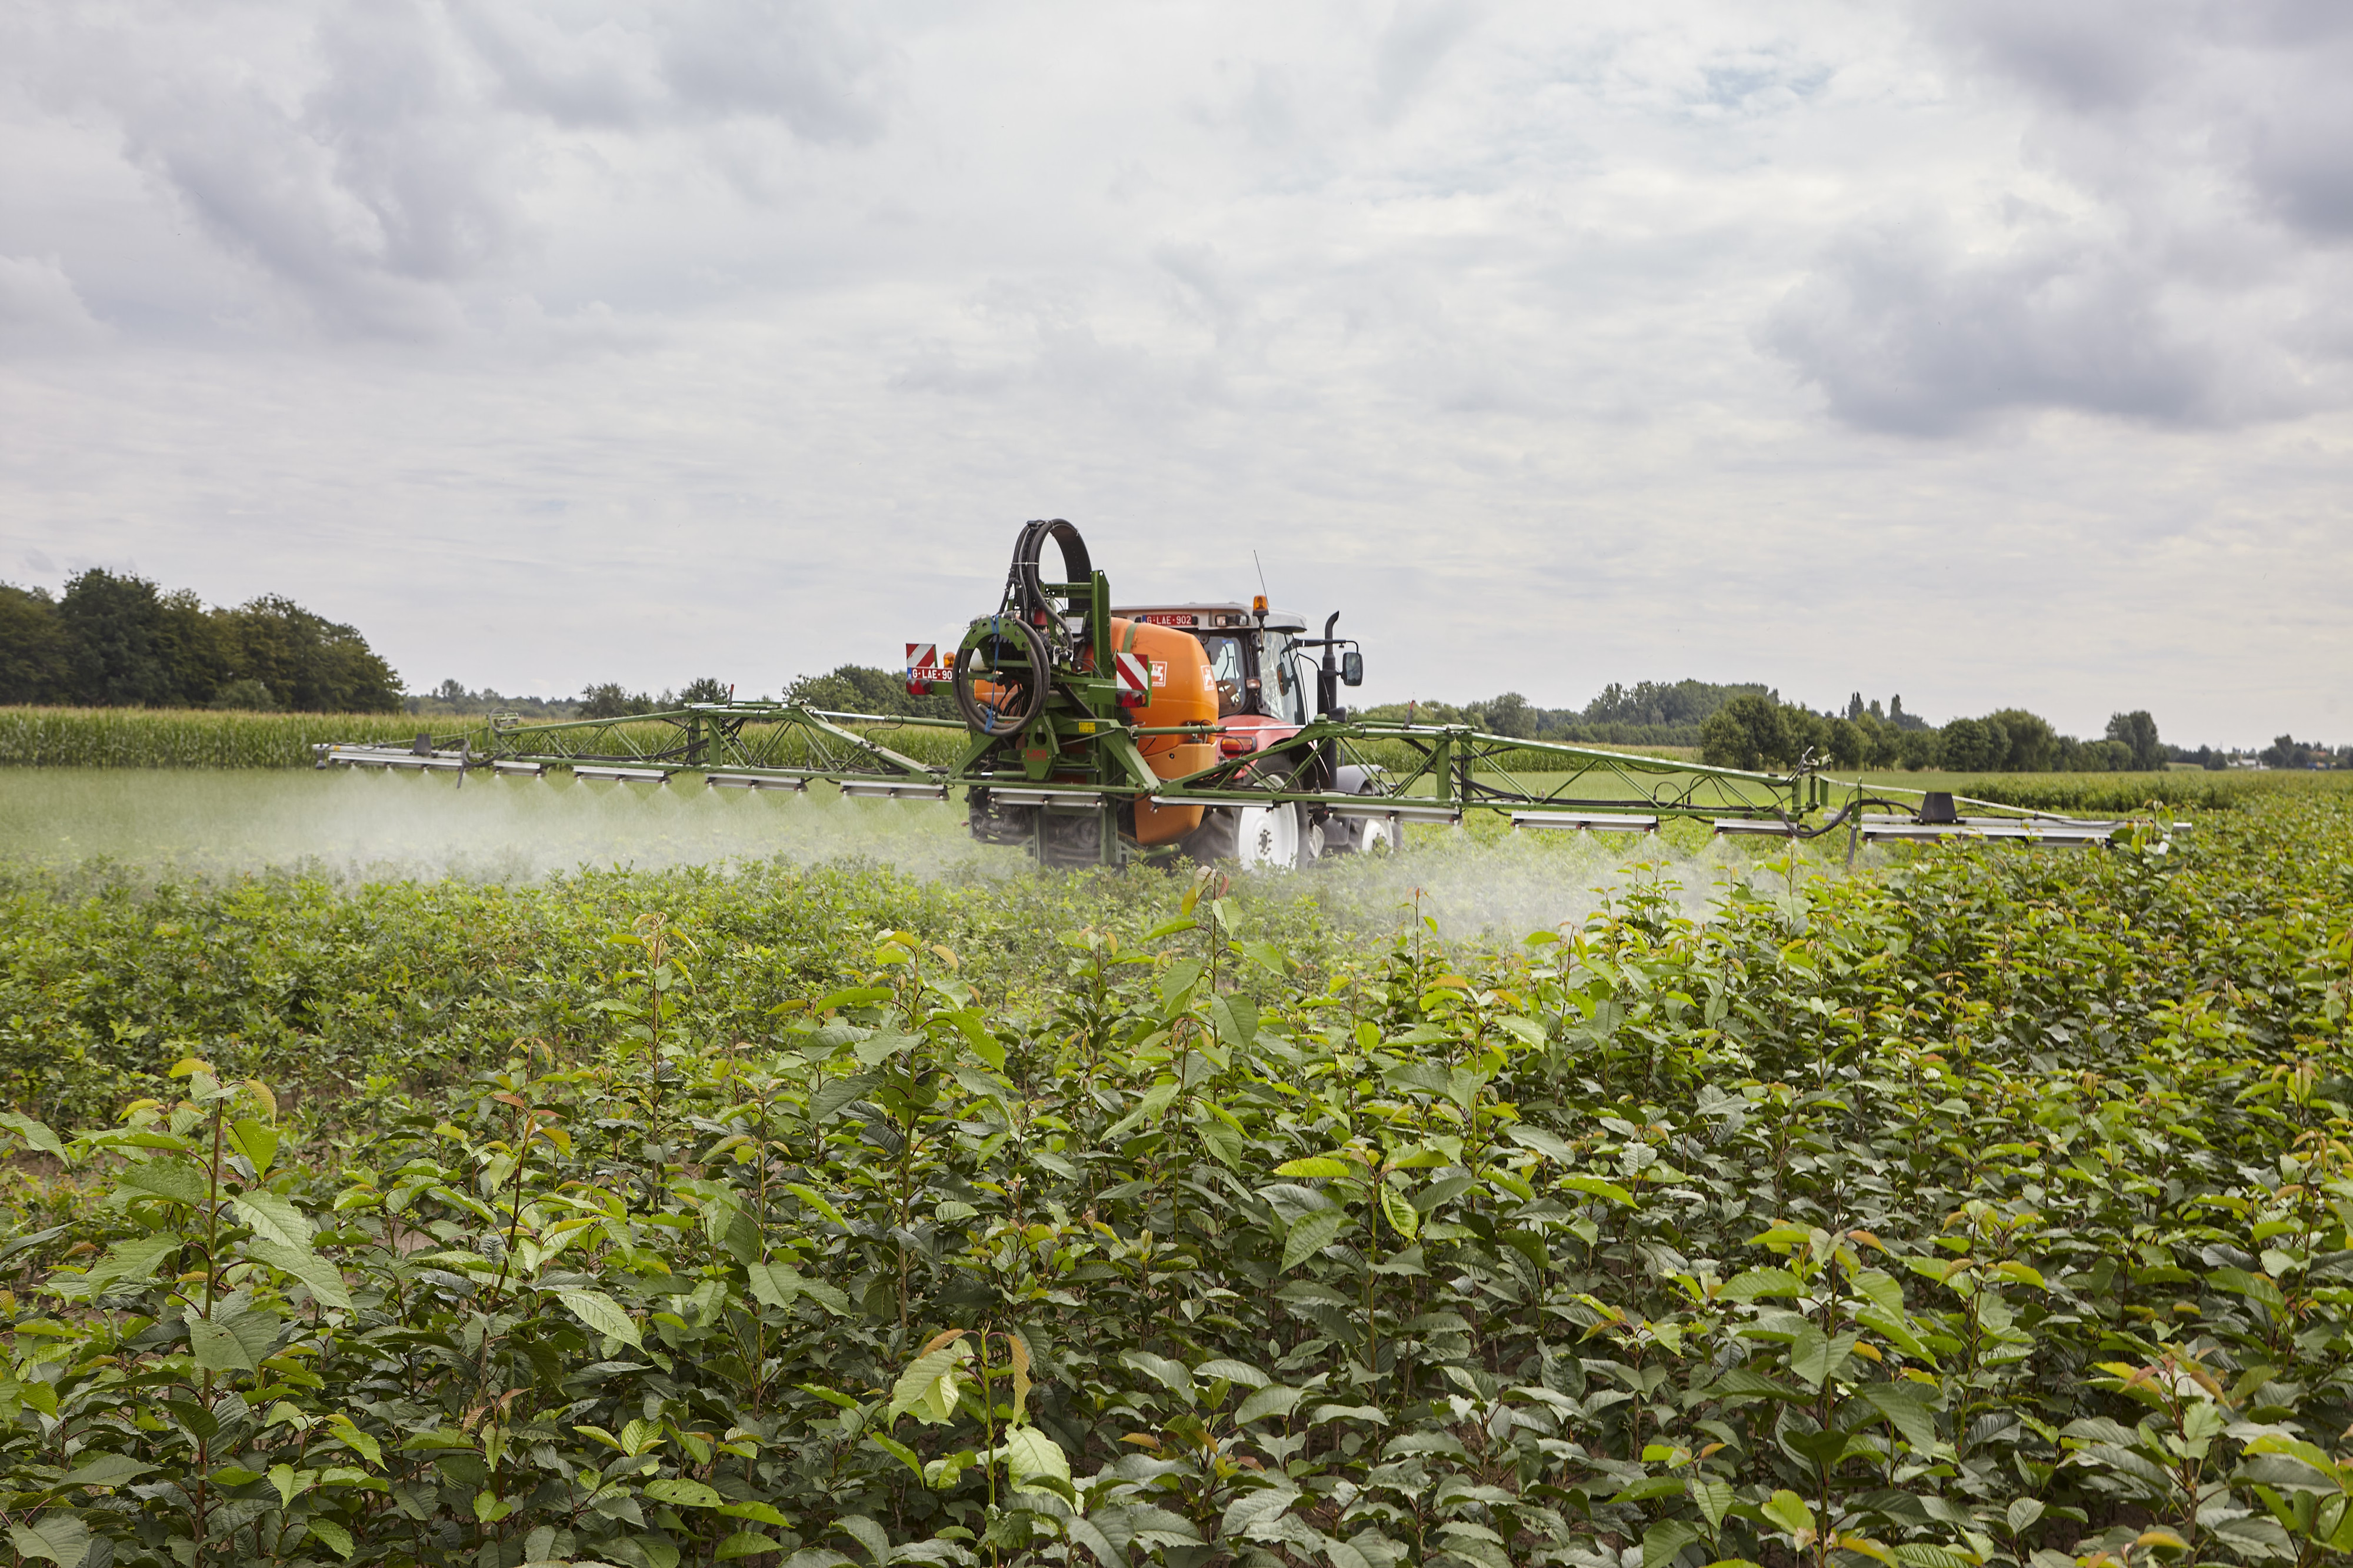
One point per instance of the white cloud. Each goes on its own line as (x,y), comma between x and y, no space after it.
(1978,352)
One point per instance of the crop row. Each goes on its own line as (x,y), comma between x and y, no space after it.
(1993,1209)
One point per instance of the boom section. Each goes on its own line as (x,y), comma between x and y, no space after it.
(1416,772)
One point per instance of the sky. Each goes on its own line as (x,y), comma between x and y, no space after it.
(1993,354)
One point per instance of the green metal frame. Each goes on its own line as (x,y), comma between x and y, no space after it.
(1080,751)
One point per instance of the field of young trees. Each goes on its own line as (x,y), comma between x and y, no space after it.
(1981,1208)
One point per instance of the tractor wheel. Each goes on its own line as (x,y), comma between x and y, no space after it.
(1260,837)
(1267,836)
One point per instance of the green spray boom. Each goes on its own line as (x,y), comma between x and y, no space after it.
(1049,752)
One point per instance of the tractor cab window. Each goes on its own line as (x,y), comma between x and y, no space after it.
(1286,695)
(1226,667)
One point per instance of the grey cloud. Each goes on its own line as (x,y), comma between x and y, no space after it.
(2088,55)
(2295,148)
(1040,341)
(41,309)
(812,66)
(1418,37)
(1902,333)
(378,156)
(2202,147)
(795,60)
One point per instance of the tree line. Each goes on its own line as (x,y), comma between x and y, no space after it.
(1746,725)
(113,641)
(1751,731)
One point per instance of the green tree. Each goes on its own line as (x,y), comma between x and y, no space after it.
(121,643)
(1849,744)
(1749,731)
(35,656)
(2032,745)
(709,689)
(1967,746)
(862,689)
(1506,715)
(309,663)
(610,701)
(2138,731)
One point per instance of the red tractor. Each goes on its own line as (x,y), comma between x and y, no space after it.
(1263,665)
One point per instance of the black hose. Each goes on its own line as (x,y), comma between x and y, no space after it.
(1027,589)
(1832,824)
(990,719)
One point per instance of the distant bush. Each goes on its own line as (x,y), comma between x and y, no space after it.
(115,642)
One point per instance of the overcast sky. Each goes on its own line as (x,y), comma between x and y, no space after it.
(1992,353)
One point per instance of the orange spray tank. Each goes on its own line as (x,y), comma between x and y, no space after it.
(1182,693)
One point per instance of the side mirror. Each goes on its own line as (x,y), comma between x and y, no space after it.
(1352,668)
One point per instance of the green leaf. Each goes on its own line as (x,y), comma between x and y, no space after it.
(1084,1532)
(602,1313)
(36,1134)
(347,1433)
(1224,1145)
(773,1283)
(1400,1212)
(56,1535)
(679,1492)
(1757,1283)
(882,1044)
(1595,1187)
(1235,1019)
(836,1093)
(1551,1145)
(2023,1512)
(104,1470)
(1311,1234)
(1816,1358)
(1172,1375)
(758,1512)
(217,1348)
(1035,1462)
(855,996)
(1664,1541)
(330,1534)
(325,1281)
(1714,1497)
(1240,1371)
(1908,1409)
(1322,1165)
(257,1140)
(1274,1399)
(928,1388)
(1789,1511)
(867,1533)
(273,1217)
(899,1451)
(816,1201)
(1253,1514)
(129,1262)
(752,1543)
(1157,1099)
(178,1180)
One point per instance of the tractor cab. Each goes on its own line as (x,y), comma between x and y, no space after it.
(1262,676)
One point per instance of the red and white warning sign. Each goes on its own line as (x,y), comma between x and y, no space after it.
(924,667)
(1134,675)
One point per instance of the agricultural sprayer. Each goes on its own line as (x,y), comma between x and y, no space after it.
(1092,733)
